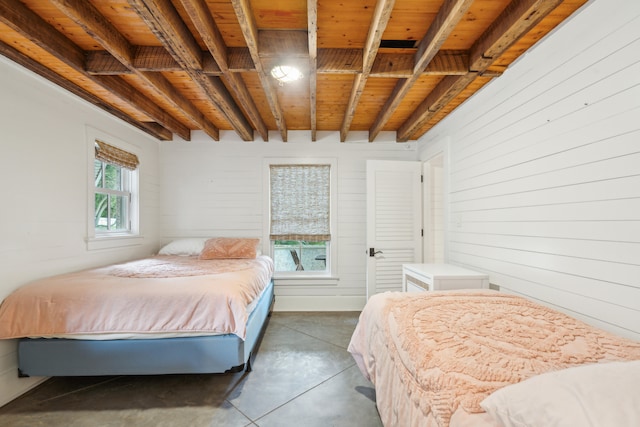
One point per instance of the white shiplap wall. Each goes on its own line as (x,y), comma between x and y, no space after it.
(44,176)
(545,171)
(216,189)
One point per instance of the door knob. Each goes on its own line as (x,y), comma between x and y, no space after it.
(373,252)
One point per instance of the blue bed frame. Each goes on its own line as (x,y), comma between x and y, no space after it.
(193,355)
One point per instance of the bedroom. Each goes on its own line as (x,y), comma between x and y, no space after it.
(582,250)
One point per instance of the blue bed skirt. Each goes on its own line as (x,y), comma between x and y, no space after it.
(193,355)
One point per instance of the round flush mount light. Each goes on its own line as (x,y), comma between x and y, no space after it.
(286,73)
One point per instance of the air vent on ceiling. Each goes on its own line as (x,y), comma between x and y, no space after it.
(398,44)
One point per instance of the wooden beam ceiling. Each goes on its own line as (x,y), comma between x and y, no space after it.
(172,66)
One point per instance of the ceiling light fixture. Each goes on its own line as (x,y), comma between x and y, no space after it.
(286,74)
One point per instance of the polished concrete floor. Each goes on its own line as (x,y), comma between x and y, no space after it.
(302,376)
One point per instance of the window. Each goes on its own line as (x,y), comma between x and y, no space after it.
(112,198)
(113,193)
(300,213)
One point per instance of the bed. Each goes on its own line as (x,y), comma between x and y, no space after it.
(199,306)
(484,358)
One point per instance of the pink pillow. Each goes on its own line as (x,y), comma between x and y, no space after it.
(229,247)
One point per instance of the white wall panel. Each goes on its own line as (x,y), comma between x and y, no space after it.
(44,175)
(544,184)
(215,188)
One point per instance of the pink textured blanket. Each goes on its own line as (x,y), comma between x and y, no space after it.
(449,350)
(162,294)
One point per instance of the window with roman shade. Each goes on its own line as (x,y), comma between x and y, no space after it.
(113,178)
(300,216)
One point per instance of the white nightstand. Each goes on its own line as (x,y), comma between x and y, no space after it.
(433,277)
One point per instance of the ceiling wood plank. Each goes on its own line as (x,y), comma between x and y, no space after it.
(205,25)
(151,128)
(312,34)
(450,13)
(249,28)
(379,22)
(165,22)
(21,19)
(515,21)
(89,19)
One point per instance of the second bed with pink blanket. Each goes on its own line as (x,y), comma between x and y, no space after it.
(435,358)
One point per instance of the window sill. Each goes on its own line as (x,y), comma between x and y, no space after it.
(115,241)
(305,280)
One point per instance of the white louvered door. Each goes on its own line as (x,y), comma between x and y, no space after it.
(394,222)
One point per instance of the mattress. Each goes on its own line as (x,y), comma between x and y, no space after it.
(161,296)
(434,357)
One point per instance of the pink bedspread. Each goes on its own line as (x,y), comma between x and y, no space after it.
(162,294)
(433,357)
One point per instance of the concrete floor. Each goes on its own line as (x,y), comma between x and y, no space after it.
(302,376)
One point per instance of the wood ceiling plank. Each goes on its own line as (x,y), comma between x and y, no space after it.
(249,28)
(22,20)
(201,17)
(166,23)
(379,22)
(151,128)
(312,40)
(442,26)
(90,19)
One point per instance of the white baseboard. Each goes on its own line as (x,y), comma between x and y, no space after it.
(319,303)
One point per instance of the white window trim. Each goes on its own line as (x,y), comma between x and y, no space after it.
(112,240)
(329,276)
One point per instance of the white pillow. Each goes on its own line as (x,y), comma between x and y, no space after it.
(184,247)
(601,394)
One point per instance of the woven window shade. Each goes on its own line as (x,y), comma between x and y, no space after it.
(300,202)
(116,156)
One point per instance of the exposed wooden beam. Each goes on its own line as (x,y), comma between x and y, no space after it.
(21,19)
(249,28)
(240,60)
(443,93)
(329,61)
(276,43)
(312,29)
(516,20)
(340,61)
(151,128)
(379,22)
(146,58)
(165,22)
(401,65)
(203,20)
(445,21)
(89,19)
